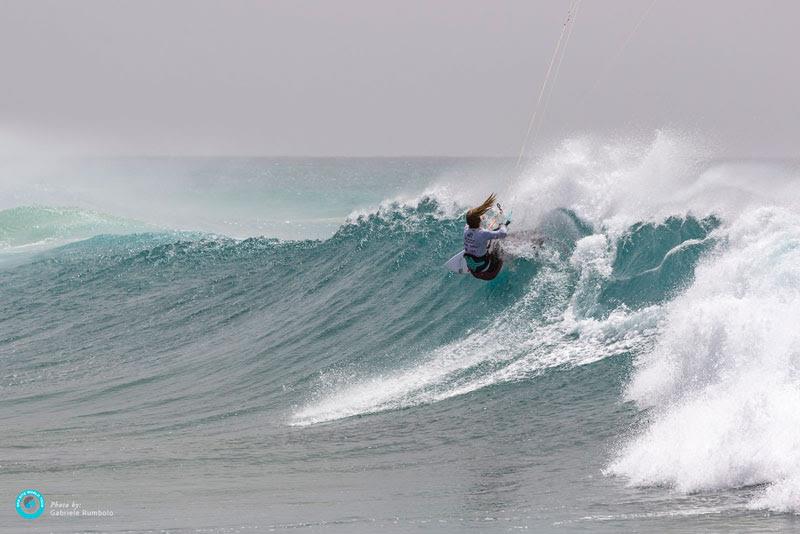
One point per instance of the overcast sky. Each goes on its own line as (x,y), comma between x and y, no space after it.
(371,77)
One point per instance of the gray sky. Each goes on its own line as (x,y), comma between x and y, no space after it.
(371,77)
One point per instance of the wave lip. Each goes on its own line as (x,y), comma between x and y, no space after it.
(723,381)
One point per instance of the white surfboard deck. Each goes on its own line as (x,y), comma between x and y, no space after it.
(457,264)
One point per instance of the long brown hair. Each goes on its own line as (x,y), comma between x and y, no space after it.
(474,215)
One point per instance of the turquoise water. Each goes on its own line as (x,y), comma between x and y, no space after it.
(634,373)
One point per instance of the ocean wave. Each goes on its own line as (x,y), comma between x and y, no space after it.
(545,310)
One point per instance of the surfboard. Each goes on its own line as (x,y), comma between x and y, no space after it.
(457,264)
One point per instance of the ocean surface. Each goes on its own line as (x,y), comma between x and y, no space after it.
(257,345)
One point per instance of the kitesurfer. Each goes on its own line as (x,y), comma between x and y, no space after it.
(482,261)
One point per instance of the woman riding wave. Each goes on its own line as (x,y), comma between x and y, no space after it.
(482,262)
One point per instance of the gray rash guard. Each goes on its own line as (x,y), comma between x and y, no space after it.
(476,240)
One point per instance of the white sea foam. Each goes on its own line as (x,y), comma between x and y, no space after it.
(723,381)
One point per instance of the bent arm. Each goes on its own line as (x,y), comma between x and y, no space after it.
(500,233)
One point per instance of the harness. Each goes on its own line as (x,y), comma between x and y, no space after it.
(478,264)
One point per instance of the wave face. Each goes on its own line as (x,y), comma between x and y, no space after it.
(192,343)
(568,306)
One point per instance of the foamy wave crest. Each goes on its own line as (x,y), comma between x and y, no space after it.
(613,184)
(723,381)
(408,210)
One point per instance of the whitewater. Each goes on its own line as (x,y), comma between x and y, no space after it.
(229,345)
